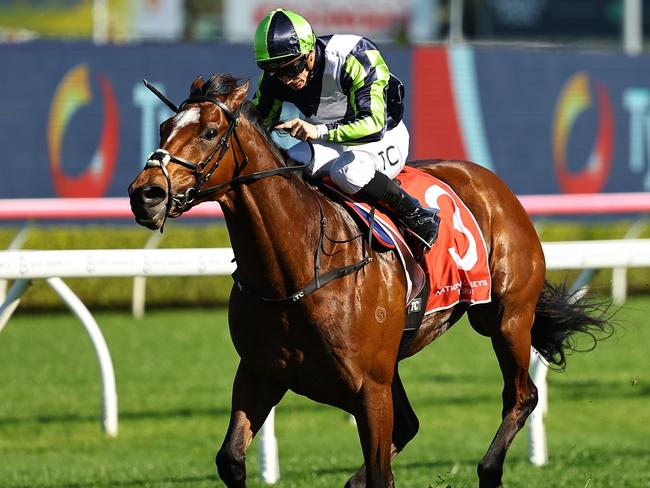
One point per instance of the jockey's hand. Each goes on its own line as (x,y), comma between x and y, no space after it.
(299,129)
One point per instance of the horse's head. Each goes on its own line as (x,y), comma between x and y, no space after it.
(199,152)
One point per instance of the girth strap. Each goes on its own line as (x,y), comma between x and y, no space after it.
(320,280)
(317,283)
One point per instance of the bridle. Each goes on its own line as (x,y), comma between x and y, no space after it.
(203,170)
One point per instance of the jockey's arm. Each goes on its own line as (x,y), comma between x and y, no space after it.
(364,80)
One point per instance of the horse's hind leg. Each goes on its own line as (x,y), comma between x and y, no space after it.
(405,423)
(511,341)
(252,400)
(405,426)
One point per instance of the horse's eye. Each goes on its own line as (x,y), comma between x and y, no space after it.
(210,134)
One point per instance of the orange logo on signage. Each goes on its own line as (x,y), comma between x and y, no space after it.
(72,94)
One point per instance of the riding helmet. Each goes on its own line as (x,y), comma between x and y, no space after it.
(280,36)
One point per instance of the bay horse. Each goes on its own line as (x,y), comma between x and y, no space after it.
(334,337)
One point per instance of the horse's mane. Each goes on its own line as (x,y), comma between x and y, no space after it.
(222,85)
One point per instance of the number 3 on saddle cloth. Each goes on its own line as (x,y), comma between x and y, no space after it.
(456,267)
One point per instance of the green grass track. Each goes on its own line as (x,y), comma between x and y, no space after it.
(174,371)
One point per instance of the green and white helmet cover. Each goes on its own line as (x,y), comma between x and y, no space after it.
(281,35)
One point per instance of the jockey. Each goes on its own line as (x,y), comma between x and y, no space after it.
(352,107)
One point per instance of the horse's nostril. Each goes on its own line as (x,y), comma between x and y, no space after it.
(153,194)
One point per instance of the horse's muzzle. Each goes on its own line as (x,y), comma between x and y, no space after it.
(149,205)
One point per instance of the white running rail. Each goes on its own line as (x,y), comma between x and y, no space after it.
(25,266)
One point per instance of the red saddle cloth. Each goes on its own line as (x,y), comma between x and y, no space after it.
(457,264)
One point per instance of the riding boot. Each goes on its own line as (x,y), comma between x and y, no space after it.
(417,221)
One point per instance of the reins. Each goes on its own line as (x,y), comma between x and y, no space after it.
(161,158)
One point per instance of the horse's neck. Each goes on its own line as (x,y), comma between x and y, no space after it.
(273,225)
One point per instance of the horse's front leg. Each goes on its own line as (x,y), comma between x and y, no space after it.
(405,426)
(375,424)
(253,397)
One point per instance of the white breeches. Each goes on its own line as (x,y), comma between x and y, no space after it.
(352,167)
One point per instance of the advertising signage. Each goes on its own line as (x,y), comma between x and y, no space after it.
(78,122)
(547,122)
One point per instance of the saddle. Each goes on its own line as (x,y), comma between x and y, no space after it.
(454,270)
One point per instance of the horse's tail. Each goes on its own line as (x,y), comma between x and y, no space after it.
(561,313)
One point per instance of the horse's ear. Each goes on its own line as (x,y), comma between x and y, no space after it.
(197,86)
(237,96)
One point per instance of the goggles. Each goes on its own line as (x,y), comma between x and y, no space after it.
(290,69)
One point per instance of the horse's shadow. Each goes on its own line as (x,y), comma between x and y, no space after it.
(133,415)
(171,480)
